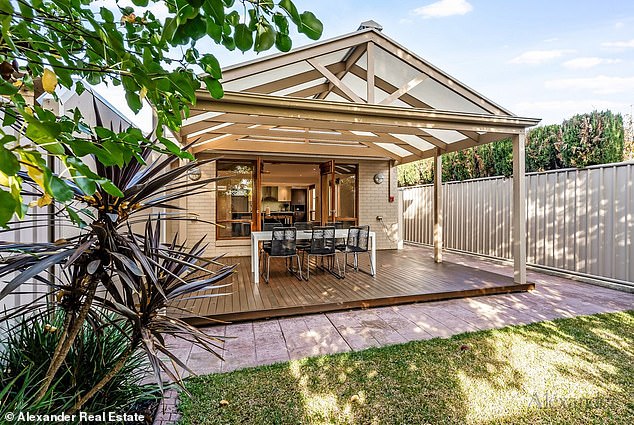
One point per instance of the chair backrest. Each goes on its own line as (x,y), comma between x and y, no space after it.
(336,224)
(267,227)
(323,240)
(303,225)
(362,236)
(284,241)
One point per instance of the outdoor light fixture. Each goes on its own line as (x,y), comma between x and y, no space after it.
(194,174)
(379,178)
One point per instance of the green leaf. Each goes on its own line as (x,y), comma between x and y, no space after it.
(106,14)
(264,38)
(142,3)
(291,10)
(214,87)
(233,18)
(6,88)
(228,42)
(59,189)
(195,28)
(214,30)
(283,42)
(211,66)
(216,9)
(74,217)
(243,37)
(110,188)
(281,22)
(7,207)
(311,26)
(9,164)
(44,134)
(134,101)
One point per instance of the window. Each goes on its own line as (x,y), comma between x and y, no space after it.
(346,194)
(234,199)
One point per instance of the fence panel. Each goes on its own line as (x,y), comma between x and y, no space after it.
(580,221)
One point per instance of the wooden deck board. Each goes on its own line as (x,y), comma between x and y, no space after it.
(405,276)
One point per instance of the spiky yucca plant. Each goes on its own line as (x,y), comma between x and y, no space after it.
(108,266)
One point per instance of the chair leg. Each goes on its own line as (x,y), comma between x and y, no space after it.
(299,267)
(345,262)
(307,274)
(371,264)
(268,268)
(339,275)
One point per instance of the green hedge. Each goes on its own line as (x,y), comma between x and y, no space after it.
(583,140)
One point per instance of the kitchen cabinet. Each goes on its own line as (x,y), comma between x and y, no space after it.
(298,197)
(284,194)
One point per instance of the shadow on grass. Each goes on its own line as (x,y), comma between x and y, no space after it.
(569,371)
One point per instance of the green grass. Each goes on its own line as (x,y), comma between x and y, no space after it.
(569,371)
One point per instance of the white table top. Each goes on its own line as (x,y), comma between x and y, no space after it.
(301,234)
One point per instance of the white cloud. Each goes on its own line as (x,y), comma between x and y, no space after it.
(443,8)
(536,57)
(588,62)
(600,84)
(626,44)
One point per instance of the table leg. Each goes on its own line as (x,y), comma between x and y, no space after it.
(373,255)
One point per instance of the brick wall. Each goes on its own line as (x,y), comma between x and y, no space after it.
(373,202)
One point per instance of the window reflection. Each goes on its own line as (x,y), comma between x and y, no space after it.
(234,195)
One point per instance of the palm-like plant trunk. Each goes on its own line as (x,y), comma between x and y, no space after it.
(72,329)
(104,381)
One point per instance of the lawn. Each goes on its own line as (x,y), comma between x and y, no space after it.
(568,371)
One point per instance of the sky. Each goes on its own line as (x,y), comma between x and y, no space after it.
(547,59)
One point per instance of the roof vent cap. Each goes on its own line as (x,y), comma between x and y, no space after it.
(370,24)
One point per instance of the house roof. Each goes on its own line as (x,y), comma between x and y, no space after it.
(358,95)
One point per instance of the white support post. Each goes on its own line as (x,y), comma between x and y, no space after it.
(519,209)
(437,206)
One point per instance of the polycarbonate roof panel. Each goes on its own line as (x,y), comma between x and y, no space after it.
(395,149)
(393,69)
(243,84)
(415,141)
(356,84)
(330,58)
(441,97)
(308,84)
(447,136)
(336,97)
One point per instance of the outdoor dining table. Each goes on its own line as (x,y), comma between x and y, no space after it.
(257,237)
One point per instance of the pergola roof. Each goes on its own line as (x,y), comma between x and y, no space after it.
(361,95)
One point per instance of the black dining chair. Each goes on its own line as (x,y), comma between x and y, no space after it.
(357,242)
(322,245)
(302,226)
(268,227)
(283,245)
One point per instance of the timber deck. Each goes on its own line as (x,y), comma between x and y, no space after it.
(405,276)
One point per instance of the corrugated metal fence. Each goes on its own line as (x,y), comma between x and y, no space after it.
(578,220)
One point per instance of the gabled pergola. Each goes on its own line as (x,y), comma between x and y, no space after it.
(363,96)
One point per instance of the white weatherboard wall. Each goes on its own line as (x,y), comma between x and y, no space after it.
(578,220)
(38,231)
(373,202)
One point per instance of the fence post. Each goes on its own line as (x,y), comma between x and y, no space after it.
(519,208)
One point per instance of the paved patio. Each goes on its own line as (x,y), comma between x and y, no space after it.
(277,340)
